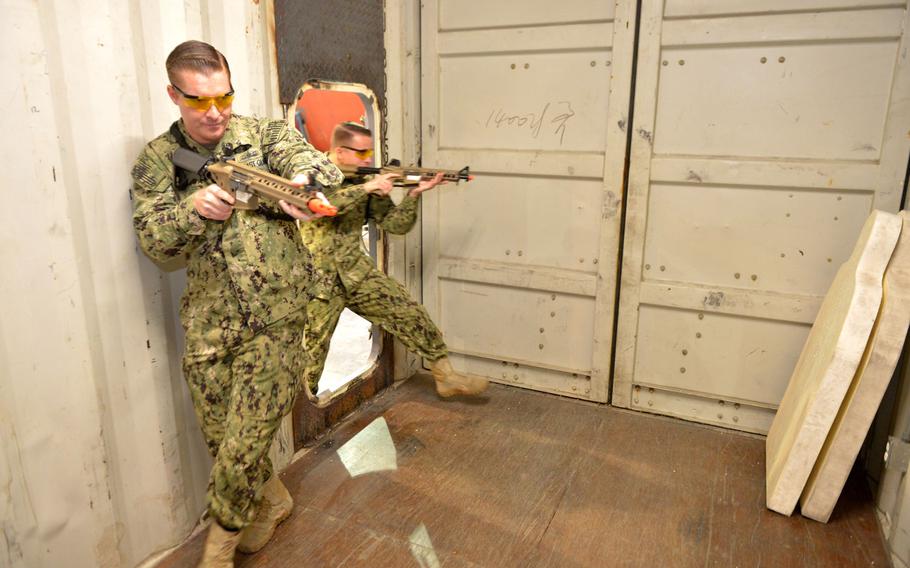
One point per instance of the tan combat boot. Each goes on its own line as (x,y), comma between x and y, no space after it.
(450,382)
(219,547)
(275,507)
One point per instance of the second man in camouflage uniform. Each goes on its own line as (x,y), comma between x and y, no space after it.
(347,276)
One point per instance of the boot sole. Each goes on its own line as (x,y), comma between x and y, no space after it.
(447,391)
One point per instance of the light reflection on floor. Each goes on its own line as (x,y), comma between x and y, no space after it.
(372,449)
(422,548)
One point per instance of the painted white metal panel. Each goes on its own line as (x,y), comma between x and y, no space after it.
(763,136)
(479,14)
(402,43)
(520,264)
(103,463)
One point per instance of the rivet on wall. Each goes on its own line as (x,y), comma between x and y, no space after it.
(781,59)
(512,66)
(697,335)
(764,60)
(754,277)
(664,62)
(593,63)
(520,253)
(736,276)
(682,61)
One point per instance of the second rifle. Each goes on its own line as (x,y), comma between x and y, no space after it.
(409,175)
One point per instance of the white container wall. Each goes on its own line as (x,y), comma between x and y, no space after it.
(102,462)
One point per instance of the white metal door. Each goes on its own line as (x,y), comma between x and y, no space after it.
(764,133)
(520,264)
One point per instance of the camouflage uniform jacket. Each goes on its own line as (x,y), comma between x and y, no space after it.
(248,271)
(336,242)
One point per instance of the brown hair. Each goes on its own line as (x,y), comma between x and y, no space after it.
(195,56)
(345,132)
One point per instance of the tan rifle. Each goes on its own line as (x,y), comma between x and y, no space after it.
(247,184)
(409,175)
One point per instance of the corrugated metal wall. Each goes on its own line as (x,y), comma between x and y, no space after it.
(102,463)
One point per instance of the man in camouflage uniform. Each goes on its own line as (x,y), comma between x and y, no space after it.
(347,277)
(248,276)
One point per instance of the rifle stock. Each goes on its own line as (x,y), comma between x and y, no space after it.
(247,184)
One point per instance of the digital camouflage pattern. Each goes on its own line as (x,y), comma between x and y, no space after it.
(239,402)
(248,280)
(347,277)
(336,243)
(249,271)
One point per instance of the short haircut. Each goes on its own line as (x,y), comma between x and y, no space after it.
(195,56)
(346,131)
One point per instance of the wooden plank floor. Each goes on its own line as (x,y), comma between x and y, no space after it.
(524,479)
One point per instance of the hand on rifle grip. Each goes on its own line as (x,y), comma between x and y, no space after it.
(212,202)
(427,184)
(381,184)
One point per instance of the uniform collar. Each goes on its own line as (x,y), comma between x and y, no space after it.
(199,148)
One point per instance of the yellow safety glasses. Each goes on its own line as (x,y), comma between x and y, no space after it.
(362,153)
(205,103)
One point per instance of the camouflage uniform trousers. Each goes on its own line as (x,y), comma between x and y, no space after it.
(381,300)
(240,398)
